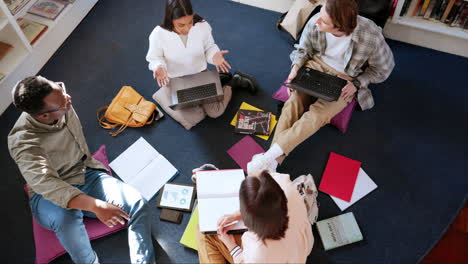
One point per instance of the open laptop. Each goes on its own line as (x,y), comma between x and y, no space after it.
(195,89)
(317,84)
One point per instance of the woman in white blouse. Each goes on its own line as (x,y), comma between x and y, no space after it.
(183,45)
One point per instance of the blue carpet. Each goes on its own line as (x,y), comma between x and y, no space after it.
(412,144)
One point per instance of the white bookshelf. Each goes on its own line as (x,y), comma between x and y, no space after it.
(426,33)
(26,60)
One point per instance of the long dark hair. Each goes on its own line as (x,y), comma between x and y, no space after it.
(176,9)
(263,207)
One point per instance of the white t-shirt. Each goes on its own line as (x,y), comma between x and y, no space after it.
(334,53)
(166,49)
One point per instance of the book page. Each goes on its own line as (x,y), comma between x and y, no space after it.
(220,183)
(142,167)
(134,159)
(212,209)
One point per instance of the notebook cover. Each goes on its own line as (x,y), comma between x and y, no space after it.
(243,151)
(253,122)
(340,176)
(189,238)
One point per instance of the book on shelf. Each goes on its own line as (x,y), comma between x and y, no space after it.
(253,122)
(4,49)
(440,12)
(32,30)
(461,17)
(339,231)
(431,6)
(176,196)
(454,11)
(424,7)
(2,76)
(15,5)
(49,9)
(436,8)
(405,7)
(447,10)
(417,7)
(218,195)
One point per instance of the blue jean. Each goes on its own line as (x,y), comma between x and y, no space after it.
(70,230)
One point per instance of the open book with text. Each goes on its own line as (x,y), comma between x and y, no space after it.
(218,194)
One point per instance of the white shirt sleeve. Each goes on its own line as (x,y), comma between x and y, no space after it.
(155,55)
(209,45)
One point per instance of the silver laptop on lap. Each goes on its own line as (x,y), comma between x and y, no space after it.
(195,89)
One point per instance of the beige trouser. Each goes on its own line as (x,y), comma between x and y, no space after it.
(212,250)
(303,115)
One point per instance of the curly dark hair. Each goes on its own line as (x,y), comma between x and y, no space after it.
(263,207)
(29,94)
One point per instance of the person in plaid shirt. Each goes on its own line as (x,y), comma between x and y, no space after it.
(339,42)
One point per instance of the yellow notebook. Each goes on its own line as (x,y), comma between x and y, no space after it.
(188,239)
(246,106)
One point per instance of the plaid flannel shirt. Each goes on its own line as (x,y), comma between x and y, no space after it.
(368,58)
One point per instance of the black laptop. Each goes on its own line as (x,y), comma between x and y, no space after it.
(317,84)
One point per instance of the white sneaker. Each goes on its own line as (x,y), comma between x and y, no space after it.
(260,163)
(202,167)
(96,260)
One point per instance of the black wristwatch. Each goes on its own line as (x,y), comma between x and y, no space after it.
(356,83)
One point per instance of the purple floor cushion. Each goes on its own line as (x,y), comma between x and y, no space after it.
(340,121)
(47,245)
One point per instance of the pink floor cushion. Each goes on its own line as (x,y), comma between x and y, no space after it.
(48,246)
(340,121)
(281,94)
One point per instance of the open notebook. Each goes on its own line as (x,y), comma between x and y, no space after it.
(218,194)
(144,168)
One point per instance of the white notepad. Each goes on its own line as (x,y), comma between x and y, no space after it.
(364,185)
(218,194)
(144,168)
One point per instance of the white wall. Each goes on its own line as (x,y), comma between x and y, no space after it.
(274,5)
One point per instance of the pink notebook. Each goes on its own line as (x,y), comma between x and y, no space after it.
(243,151)
(340,176)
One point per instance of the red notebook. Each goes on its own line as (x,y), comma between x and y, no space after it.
(340,176)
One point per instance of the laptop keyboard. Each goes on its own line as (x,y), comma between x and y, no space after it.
(197,92)
(321,84)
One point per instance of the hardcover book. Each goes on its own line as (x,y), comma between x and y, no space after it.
(48,8)
(253,122)
(339,231)
(15,5)
(4,49)
(32,30)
